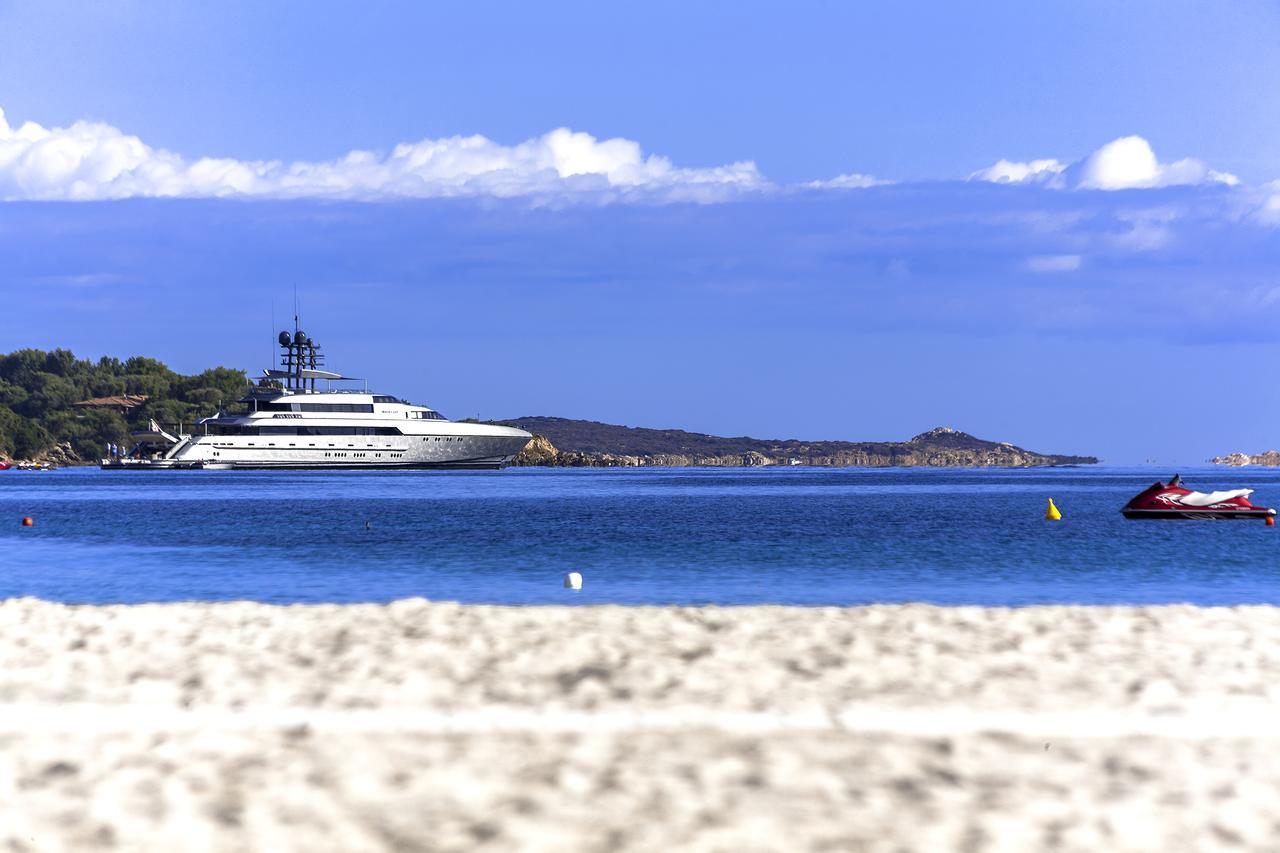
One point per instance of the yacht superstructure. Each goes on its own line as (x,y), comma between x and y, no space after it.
(288,423)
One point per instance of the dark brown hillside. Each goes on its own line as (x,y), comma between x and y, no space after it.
(577,442)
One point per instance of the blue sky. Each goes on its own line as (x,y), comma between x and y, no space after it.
(1053,224)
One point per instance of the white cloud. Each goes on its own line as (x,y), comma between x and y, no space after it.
(1268,211)
(1010,172)
(91,160)
(848,182)
(1125,163)
(1053,263)
(94,160)
(1129,162)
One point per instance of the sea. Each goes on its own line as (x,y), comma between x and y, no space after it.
(705,536)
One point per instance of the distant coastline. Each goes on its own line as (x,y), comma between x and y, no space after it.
(567,443)
(1267,459)
(57,410)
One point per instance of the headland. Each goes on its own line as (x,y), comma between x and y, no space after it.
(566,443)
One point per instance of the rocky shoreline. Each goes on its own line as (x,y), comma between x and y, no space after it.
(60,455)
(941,447)
(1268,459)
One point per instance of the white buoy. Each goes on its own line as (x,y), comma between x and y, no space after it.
(573,580)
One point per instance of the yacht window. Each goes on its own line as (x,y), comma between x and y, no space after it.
(327,430)
(333,407)
(358,408)
(231,429)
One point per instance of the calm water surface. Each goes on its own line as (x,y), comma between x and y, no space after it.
(697,536)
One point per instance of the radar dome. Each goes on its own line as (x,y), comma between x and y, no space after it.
(284,339)
(299,337)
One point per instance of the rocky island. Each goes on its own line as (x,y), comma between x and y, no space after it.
(565,443)
(1268,459)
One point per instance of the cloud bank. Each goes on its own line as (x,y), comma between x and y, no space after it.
(92,161)
(851,181)
(1125,163)
(1013,172)
(95,161)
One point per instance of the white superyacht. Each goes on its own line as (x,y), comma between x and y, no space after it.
(287,423)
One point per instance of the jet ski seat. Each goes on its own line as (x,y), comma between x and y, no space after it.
(1211,498)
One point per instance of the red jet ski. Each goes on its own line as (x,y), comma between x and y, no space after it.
(1172,500)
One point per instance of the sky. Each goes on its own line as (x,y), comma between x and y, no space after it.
(1054,224)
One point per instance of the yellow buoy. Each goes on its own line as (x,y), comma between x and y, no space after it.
(1052,514)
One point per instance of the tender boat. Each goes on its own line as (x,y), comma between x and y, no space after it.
(287,423)
(1173,500)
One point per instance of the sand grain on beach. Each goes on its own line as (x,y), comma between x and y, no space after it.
(421,725)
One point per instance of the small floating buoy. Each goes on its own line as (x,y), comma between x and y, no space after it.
(27,521)
(1052,514)
(1271,521)
(573,580)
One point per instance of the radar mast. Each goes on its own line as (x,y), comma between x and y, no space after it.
(301,359)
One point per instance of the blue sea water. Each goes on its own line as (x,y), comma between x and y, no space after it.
(692,536)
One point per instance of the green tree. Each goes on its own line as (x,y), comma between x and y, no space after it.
(150,384)
(142,364)
(169,413)
(38,390)
(48,392)
(88,432)
(18,367)
(20,437)
(11,395)
(60,362)
(104,385)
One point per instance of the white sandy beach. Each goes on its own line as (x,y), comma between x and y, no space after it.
(439,726)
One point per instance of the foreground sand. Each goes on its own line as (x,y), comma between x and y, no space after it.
(436,726)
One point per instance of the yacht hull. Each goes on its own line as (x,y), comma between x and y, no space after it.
(177,465)
(381,466)
(452,451)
